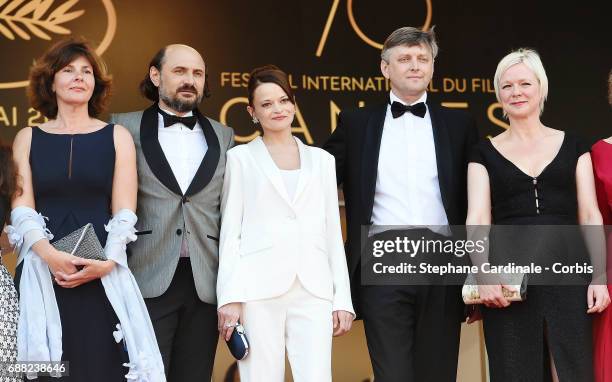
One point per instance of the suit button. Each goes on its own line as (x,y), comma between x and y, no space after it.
(184,200)
(179,232)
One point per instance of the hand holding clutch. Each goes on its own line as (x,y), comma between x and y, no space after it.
(513,289)
(232,331)
(238,344)
(496,296)
(88,257)
(57,261)
(227,318)
(89,270)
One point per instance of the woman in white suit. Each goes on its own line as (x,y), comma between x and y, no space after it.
(282,267)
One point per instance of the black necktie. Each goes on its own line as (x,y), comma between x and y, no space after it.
(170,120)
(398,109)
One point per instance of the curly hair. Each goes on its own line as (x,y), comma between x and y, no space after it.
(8,179)
(40,90)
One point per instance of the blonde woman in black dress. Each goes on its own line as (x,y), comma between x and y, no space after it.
(532,176)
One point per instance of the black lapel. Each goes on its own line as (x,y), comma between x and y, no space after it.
(153,152)
(443,152)
(371,151)
(208,166)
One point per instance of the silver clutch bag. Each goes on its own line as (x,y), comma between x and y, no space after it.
(82,243)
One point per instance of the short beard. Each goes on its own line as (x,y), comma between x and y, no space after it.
(176,104)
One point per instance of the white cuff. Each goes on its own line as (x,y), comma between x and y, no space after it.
(28,226)
(120,232)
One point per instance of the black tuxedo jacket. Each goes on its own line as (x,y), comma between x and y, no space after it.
(356,144)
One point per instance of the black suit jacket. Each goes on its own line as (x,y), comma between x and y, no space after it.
(356,144)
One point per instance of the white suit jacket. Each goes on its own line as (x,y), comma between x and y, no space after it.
(268,239)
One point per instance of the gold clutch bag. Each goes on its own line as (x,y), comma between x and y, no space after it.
(518,281)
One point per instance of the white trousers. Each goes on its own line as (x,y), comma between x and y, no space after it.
(297,321)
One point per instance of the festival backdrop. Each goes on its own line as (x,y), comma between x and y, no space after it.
(331,50)
(329,47)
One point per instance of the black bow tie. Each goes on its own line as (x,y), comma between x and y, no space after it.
(170,120)
(398,109)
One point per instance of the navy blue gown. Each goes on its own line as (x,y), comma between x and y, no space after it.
(72,176)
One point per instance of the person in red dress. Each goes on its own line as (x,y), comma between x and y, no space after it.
(601,153)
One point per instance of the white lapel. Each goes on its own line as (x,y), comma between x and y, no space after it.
(264,161)
(306,165)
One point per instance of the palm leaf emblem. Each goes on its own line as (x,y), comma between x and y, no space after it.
(21,18)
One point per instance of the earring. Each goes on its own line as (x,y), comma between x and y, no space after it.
(255,120)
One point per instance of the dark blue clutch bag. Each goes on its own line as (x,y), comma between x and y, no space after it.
(238,343)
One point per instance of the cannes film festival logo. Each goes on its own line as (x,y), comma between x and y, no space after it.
(357,29)
(24,24)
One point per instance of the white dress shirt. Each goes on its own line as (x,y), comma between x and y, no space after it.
(184,149)
(407,188)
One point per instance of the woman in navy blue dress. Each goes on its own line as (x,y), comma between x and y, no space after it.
(76,169)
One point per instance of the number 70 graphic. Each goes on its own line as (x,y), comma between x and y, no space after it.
(358,31)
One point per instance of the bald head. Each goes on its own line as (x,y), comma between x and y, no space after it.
(180,46)
(179,54)
(176,78)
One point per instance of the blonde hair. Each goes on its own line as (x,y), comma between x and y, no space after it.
(531,59)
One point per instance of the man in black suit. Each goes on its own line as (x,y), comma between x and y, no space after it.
(405,166)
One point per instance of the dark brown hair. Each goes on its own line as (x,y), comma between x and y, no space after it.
(148,88)
(8,180)
(40,90)
(269,74)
